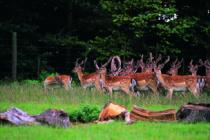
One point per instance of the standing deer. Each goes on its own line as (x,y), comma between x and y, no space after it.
(62,80)
(176,82)
(86,80)
(111,83)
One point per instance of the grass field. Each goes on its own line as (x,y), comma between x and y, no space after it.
(32,99)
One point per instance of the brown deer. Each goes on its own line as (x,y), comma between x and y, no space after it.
(86,80)
(62,80)
(111,83)
(176,82)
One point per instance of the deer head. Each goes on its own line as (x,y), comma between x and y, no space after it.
(160,66)
(174,67)
(193,68)
(78,66)
(206,64)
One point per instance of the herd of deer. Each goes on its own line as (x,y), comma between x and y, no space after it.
(130,81)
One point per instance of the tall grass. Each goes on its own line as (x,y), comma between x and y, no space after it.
(26,93)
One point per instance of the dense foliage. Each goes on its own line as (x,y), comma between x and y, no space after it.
(53,33)
(86,113)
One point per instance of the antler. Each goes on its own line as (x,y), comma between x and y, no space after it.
(76,63)
(160,66)
(114,70)
(178,65)
(96,65)
(141,63)
(194,68)
(105,64)
(158,59)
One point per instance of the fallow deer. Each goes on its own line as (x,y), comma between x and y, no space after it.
(111,83)
(62,80)
(86,80)
(146,79)
(176,82)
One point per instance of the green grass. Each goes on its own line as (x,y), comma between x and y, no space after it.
(33,100)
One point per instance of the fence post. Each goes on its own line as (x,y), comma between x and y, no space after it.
(14,55)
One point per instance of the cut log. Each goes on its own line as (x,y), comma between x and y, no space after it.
(138,113)
(113,111)
(54,117)
(194,112)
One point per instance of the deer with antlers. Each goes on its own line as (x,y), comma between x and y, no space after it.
(175,66)
(146,79)
(177,82)
(111,83)
(62,80)
(86,80)
(128,67)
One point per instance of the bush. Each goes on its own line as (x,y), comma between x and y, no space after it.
(86,113)
(44,74)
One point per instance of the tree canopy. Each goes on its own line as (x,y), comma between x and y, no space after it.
(59,31)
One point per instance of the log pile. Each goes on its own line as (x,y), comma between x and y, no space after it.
(138,113)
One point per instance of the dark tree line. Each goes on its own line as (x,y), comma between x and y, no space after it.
(56,32)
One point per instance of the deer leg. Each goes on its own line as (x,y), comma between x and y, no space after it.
(170,93)
(110,91)
(45,87)
(126,90)
(194,91)
(153,87)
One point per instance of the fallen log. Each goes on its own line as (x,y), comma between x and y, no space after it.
(194,112)
(54,117)
(51,117)
(17,117)
(138,113)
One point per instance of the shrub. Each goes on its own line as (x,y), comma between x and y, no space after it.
(86,113)
(44,74)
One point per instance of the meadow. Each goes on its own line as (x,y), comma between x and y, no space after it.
(32,99)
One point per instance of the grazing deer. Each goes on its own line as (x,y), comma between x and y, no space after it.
(86,80)
(177,82)
(175,67)
(62,80)
(111,83)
